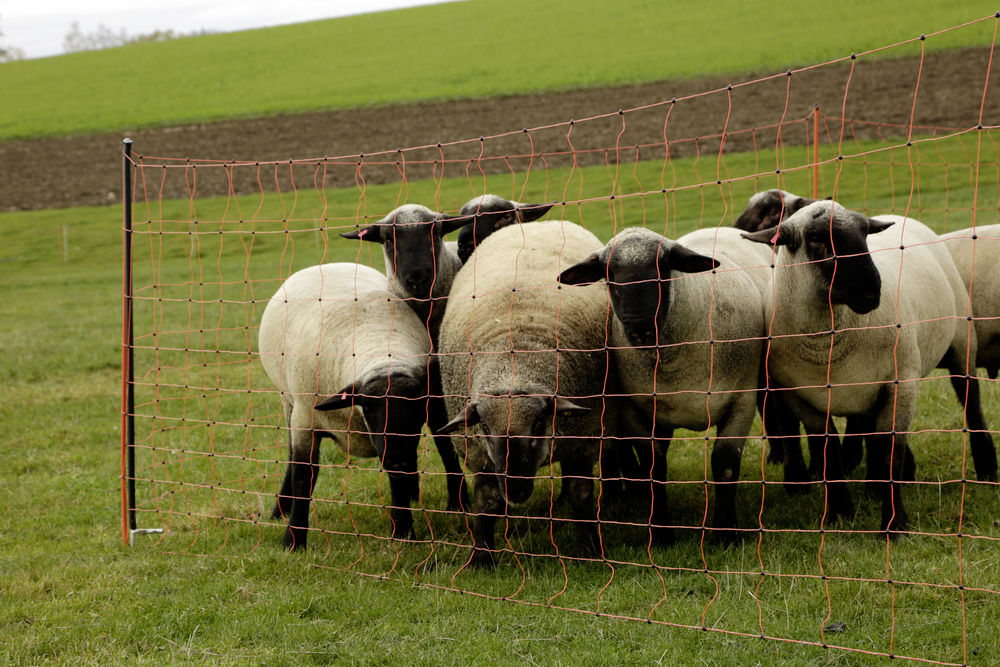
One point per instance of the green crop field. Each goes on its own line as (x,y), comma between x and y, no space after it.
(455,50)
(223,591)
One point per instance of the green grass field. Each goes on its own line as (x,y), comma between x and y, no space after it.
(455,50)
(222,590)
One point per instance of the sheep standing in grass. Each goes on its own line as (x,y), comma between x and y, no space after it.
(976,252)
(351,365)
(488,213)
(421,268)
(687,333)
(524,366)
(858,315)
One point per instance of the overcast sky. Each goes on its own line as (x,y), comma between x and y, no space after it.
(39,26)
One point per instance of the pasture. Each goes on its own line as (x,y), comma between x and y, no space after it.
(222,590)
(217,587)
(451,51)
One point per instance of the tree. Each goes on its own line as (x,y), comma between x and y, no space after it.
(8,53)
(106,38)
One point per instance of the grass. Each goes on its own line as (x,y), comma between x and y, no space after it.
(221,590)
(454,50)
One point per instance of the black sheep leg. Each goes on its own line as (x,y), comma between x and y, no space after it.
(303,470)
(984,455)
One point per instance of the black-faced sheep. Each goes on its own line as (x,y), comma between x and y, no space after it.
(848,342)
(488,213)
(352,365)
(524,365)
(769,207)
(688,334)
(421,267)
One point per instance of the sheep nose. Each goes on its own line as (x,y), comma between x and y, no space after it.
(641,336)
(419,284)
(865,303)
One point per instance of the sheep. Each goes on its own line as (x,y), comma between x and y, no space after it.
(767,208)
(488,213)
(979,248)
(421,267)
(523,364)
(845,342)
(687,337)
(352,365)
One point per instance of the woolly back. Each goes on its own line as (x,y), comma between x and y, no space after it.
(329,324)
(507,309)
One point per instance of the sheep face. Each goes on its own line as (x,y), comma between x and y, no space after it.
(766,209)
(412,240)
(394,407)
(832,242)
(637,265)
(488,213)
(516,431)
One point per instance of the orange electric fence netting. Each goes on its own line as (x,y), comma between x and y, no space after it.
(206,442)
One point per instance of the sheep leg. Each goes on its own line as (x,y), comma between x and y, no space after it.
(489,504)
(889,452)
(824,448)
(781,425)
(578,480)
(727,453)
(302,469)
(890,444)
(284,503)
(609,463)
(458,494)
(404,487)
(776,425)
(852,447)
(653,462)
(984,455)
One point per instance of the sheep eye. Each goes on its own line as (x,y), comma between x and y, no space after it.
(818,249)
(540,424)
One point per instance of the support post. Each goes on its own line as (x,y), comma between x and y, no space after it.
(815,170)
(128,385)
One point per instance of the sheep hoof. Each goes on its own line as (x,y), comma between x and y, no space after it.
(295,539)
(280,512)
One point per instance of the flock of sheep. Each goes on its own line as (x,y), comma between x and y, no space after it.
(529,342)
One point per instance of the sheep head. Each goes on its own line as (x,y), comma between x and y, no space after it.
(393,403)
(517,431)
(766,209)
(412,241)
(488,213)
(831,241)
(637,265)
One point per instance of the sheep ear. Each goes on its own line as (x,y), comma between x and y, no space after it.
(564,406)
(686,260)
(771,236)
(468,417)
(532,212)
(369,233)
(876,226)
(588,271)
(449,223)
(344,398)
